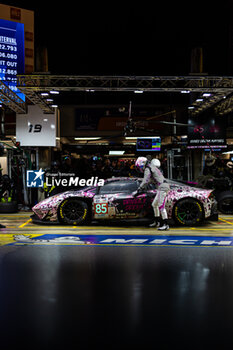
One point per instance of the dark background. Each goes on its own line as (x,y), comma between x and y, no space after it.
(144,38)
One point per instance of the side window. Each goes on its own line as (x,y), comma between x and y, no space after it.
(108,188)
(119,187)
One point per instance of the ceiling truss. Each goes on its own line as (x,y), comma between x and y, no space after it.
(220,88)
(11,100)
(44,82)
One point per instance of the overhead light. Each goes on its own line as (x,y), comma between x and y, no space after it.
(54,106)
(54,92)
(185,92)
(199,100)
(138,91)
(87,138)
(44,94)
(191,107)
(116,153)
(49,99)
(206,94)
(141,137)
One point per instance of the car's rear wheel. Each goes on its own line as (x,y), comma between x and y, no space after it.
(225,202)
(188,212)
(73,211)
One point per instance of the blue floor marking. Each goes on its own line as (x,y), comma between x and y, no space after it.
(125,240)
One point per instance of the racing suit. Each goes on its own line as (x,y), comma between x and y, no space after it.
(153,175)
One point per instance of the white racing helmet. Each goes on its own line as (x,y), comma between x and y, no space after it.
(140,164)
(155,163)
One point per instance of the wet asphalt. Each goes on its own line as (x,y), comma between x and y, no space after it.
(113,297)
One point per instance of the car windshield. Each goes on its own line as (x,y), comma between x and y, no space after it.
(119,187)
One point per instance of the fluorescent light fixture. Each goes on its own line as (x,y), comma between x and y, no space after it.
(147,137)
(191,107)
(116,153)
(44,94)
(49,99)
(138,91)
(87,138)
(206,94)
(199,99)
(54,106)
(185,91)
(131,137)
(129,143)
(54,92)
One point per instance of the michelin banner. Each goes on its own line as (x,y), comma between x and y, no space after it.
(119,240)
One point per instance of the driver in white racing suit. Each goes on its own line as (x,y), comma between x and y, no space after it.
(152,174)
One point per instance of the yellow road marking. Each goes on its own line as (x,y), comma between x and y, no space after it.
(228,222)
(25,223)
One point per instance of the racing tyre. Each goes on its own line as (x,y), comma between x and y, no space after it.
(8,207)
(225,202)
(74,211)
(188,212)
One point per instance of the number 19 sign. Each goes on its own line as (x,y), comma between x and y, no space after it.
(36,128)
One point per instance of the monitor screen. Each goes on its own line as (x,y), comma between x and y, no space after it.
(148,144)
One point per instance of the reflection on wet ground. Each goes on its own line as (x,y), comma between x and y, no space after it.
(125,294)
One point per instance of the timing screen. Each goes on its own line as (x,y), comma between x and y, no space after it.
(11,53)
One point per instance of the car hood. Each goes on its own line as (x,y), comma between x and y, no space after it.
(56,199)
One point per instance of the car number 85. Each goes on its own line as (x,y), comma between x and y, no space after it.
(101,208)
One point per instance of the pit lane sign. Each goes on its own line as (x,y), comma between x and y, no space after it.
(119,240)
(36,128)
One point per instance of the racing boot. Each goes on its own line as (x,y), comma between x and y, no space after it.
(164,226)
(156,222)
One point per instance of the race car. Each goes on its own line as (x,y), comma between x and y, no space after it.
(116,200)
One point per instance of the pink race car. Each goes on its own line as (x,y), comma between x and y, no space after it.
(114,200)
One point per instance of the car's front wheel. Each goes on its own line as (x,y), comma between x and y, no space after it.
(73,211)
(188,212)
